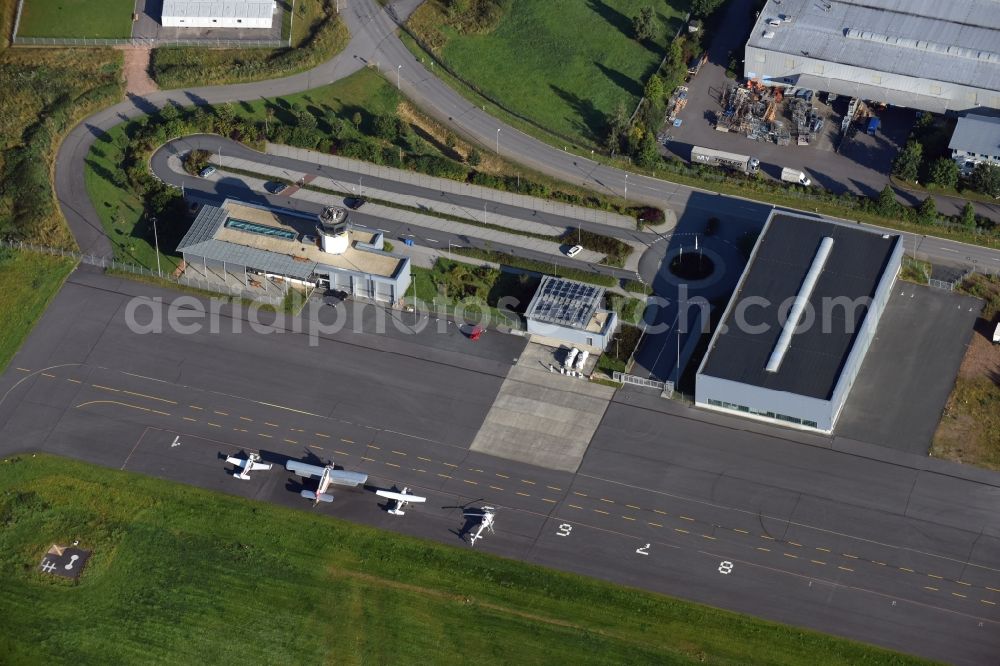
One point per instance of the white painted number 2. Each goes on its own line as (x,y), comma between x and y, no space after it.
(725,567)
(644,550)
(565,529)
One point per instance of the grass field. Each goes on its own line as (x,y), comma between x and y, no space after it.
(28,281)
(565,65)
(77,18)
(183,575)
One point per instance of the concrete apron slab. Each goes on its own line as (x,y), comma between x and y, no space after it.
(542,418)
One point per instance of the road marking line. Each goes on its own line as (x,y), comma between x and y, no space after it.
(905,569)
(313,446)
(188,418)
(677,529)
(764,536)
(956,594)
(156,411)
(424,459)
(654,524)
(372,446)
(273,425)
(246,418)
(736,529)
(200,409)
(471,483)
(575,506)
(794,557)
(599,511)
(845,569)
(881,564)
(398,453)
(825,550)
(662,513)
(262,434)
(523,494)
(818,562)
(553,488)
(422,471)
(605,499)
(75,381)
(217,412)
(319,434)
(106,388)
(441,475)
(393,465)
(962,582)
(341,453)
(766,550)
(347,441)
(214,425)
(853,557)
(935,576)
(550,501)
(686,518)
(45,374)
(792,543)
(710,538)
(530,483)
(628,518)
(579,493)
(502,476)
(991,603)
(992,589)
(932,589)
(496,488)
(633,506)
(368,459)
(291,441)
(24,370)
(241,429)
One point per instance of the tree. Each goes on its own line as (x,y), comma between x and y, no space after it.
(927,212)
(944,172)
(654,90)
(968,215)
(704,7)
(617,128)
(386,127)
(306,120)
(986,179)
(648,152)
(886,204)
(474,158)
(356,119)
(907,162)
(643,24)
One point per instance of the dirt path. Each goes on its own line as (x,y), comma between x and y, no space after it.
(136,70)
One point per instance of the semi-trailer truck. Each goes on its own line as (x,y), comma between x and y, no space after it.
(744,163)
(795,176)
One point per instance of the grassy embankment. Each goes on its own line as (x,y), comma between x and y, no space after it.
(550,73)
(201,577)
(91,19)
(318,34)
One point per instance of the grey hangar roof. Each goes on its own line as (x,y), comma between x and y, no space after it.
(977,134)
(218,8)
(955,41)
(783,256)
(564,302)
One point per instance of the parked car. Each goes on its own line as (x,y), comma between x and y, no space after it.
(275,187)
(354,203)
(573,251)
(207,171)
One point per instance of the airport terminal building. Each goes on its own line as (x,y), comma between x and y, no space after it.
(796,330)
(254,245)
(570,312)
(920,54)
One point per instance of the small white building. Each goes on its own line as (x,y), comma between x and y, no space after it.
(976,139)
(217,13)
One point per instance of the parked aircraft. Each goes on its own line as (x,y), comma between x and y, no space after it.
(252,463)
(327,476)
(486,516)
(401,499)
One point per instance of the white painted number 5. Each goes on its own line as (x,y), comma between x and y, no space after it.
(565,529)
(725,567)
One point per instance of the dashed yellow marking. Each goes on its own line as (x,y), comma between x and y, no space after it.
(75,381)
(24,370)
(825,550)
(579,493)
(445,476)
(105,388)
(633,506)
(599,511)
(200,409)
(556,488)
(962,582)
(853,557)
(347,441)
(313,446)
(263,434)
(818,562)
(766,550)
(992,589)
(686,518)
(496,488)
(422,471)
(769,538)
(530,483)
(220,413)
(241,429)
(156,411)
(398,453)
(662,513)
(654,524)
(424,459)
(319,434)
(550,501)
(188,418)
(845,568)
(471,469)
(574,506)
(792,543)
(390,464)
(628,517)
(677,529)
(247,418)
(45,374)
(956,594)
(930,575)
(450,465)
(502,476)
(905,569)
(341,453)
(881,564)
(736,529)
(794,557)
(268,423)
(214,425)
(291,441)
(471,483)
(709,537)
(372,446)
(368,459)
(932,589)
(523,494)
(985,601)
(605,499)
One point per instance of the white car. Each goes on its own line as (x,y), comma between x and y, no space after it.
(573,251)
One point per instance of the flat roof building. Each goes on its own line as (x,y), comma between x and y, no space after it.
(239,239)
(921,54)
(571,312)
(798,326)
(976,139)
(217,13)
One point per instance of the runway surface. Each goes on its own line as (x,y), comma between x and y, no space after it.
(835,535)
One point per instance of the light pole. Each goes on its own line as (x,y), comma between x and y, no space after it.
(498,141)
(398,67)
(156,242)
(626,188)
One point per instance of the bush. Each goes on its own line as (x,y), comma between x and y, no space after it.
(943,173)
(985,179)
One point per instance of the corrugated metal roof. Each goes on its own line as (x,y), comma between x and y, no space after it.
(218,8)
(954,41)
(816,355)
(261,260)
(205,226)
(564,302)
(977,134)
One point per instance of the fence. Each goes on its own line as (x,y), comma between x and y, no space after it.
(152,42)
(110,263)
(663,62)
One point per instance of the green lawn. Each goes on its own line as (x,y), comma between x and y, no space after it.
(565,65)
(77,18)
(183,575)
(28,281)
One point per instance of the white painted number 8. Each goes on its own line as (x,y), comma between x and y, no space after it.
(725,567)
(564,529)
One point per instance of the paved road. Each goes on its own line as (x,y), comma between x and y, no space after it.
(844,537)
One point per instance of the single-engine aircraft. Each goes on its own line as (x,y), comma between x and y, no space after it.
(327,476)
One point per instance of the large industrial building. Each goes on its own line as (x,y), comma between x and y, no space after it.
(976,139)
(920,54)
(241,244)
(797,328)
(571,312)
(217,13)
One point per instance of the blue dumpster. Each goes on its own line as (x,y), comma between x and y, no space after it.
(408,241)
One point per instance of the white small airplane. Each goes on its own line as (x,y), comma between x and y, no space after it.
(401,499)
(328,476)
(252,463)
(486,516)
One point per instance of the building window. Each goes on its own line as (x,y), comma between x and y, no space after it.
(714,403)
(810,424)
(239,20)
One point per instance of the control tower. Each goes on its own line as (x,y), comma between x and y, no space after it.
(333,230)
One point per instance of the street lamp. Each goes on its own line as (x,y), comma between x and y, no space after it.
(398,67)
(156,241)
(498,141)
(626,188)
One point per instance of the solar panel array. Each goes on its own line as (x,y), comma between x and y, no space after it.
(565,302)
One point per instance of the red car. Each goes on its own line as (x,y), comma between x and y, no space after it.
(476,332)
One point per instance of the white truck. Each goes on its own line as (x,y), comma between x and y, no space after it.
(996,335)
(795,176)
(744,163)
